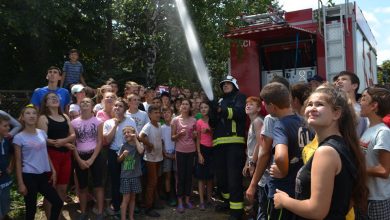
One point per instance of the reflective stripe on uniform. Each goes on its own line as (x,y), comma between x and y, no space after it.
(230,113)
(236,205)
(229,140)
(225,195)
(234,127)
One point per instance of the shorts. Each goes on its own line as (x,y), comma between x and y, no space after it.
(168,165)
(378,209)
(205,171)
(5,201)
(96,171)
(130,185)
(62,162)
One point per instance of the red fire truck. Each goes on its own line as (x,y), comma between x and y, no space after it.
(300,44)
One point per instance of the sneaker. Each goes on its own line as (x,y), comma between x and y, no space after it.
(111,212)
(152,213)
(189,205)
(83,216)
(202,207)
(180,209)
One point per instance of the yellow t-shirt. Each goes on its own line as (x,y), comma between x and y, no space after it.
(307,153)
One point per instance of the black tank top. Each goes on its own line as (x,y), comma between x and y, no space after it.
(57,130)
(342,191)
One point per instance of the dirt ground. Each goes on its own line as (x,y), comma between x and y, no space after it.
(70,211)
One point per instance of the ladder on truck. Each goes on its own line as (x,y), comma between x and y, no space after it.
(334,39)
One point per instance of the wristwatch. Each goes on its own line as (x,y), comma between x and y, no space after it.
(251,163)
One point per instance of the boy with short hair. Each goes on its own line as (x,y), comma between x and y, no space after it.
(349,82)
(6,165)
(151,137)
(169,163)
(53,76)
(130,157)
(73,70)
(290,135)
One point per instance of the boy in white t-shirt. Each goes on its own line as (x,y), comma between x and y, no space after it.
(151,138)
(169,163)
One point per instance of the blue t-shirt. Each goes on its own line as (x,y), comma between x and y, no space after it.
(5,152)
(292,131)
(39,93)
(73,72)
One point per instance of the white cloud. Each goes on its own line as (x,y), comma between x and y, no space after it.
(385,10)
(383,55)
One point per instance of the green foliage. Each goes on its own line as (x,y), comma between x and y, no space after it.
(384,73)
(116,38)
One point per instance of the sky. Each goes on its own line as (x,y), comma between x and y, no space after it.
(376,12)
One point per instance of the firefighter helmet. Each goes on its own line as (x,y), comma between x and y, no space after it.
(230,79)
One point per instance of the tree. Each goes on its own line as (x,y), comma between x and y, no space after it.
(384,72)
(139,40)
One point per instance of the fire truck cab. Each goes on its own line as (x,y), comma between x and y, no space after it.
(300,44)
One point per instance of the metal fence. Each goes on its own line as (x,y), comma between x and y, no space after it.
(12,101)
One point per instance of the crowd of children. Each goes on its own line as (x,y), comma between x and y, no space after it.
(306,159)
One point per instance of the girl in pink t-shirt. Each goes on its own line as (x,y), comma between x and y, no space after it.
(184,134)
(204,145)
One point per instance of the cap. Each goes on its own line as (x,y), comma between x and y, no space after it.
(77,88)
(315,78)
(230,79)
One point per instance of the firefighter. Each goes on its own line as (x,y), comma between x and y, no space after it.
(229,144)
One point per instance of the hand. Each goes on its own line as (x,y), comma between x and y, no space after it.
(250,193)
(117,121)
(194,134)
(133,137)
(125,153)
(70,146)
(89,162)
(279,197)
(22,189)
(275,172)
(53,178)
(200,158)
(60,142)
(83,165)
(182,133)
(245,170)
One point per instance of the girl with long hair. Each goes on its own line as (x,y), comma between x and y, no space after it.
(89,135)
(334,179)
(60,138)
(184,134)
(33,165)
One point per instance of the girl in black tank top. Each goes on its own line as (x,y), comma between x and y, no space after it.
(57,130)
(335,176)
(343,180)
